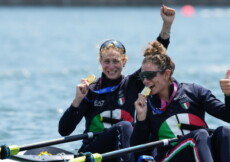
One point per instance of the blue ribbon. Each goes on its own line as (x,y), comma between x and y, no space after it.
(155,109)
(106,90)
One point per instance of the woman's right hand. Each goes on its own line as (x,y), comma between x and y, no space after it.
(167,14)
(141,107)
(225,83)
(81,91)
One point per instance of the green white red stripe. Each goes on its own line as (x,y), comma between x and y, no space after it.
(121,101)
(97,124)
(170,127)
(185,105)
(187,143)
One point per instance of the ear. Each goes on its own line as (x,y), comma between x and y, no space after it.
(124,61)
(167,74)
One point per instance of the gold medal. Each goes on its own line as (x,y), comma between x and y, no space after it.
(146,91)
(91,78)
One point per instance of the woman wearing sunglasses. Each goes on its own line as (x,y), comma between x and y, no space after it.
(108,104)
(178,109)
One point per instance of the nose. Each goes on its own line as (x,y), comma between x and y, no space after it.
(111,65)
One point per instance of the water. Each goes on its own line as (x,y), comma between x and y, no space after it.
(45,51)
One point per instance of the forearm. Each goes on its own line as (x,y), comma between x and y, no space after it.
(69,121)
(215,107)
(76,102)
(165,42)
(140,133)
(227,101)
(166,30)
(168,15)
(140,136)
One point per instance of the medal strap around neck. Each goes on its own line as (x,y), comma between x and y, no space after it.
(106,89)
(164,104)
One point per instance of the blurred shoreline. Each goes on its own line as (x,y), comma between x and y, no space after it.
(113,2)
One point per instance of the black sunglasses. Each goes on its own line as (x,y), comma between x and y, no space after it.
(148,74)
(115,43)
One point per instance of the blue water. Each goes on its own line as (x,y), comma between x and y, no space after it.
(45,51)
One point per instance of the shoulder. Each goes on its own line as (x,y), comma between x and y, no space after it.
(190,86)
(193,88)
(135,76)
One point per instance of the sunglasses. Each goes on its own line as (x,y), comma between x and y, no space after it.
(115,43)
(148,74)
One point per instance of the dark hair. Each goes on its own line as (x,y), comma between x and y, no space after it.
(156,54)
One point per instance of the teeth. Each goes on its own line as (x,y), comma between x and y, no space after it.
(146,91)
(112,72)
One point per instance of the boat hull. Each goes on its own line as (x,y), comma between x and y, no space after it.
(49,154)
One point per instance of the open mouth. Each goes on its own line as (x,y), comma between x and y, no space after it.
(112,72)
(152,87)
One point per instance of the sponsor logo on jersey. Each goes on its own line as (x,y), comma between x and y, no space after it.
(99,103)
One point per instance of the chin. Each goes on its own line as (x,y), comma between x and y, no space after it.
(153,92)
(112,77)
(115,77)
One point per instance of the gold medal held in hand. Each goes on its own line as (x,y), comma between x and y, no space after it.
(91,78)
(146,91)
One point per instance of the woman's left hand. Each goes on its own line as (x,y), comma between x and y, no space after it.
(225,83)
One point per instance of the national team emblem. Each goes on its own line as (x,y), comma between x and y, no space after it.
(121,98)
(184,102)
(185,105)
(121,101)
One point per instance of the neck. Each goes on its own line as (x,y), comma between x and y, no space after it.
(165,93)
(110,82)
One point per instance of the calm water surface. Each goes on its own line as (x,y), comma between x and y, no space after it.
(45,51)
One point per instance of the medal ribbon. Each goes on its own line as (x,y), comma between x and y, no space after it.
(164,104)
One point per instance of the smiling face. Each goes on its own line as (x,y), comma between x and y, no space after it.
(112,62)
(158,84)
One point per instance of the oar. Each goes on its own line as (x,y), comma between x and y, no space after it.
(112,154)
(6,152)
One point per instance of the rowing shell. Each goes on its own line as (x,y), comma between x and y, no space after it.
(49,154)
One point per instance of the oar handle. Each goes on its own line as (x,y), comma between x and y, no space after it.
(96,157)
(112,154)
(137,148)
(59,140)
(7,151)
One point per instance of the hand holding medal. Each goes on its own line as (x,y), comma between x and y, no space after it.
(90,79)
(140,104)
(82,89)
(146,91)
